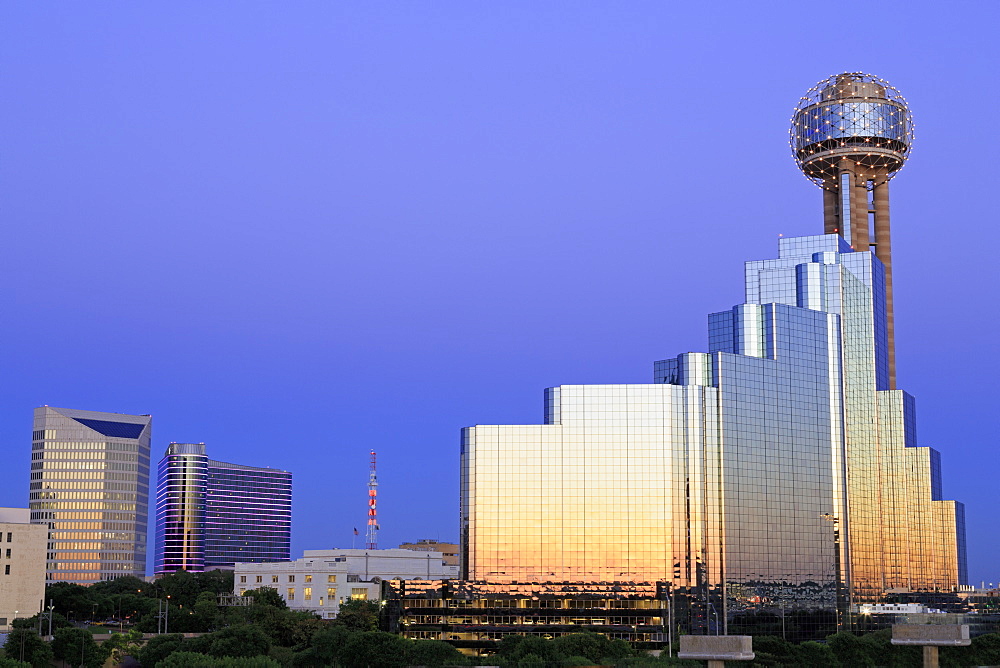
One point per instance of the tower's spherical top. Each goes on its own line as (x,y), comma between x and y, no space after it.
(851,116)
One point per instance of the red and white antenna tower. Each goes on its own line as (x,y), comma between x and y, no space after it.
(372,537)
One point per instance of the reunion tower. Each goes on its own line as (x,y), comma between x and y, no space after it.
(850,134)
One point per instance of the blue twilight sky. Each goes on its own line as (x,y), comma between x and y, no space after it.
(298,231)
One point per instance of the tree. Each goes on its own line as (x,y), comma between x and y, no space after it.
(849,650)
(594,646)
(358,615)
(196,660)
(267,596)
(817,654)
(127,584)
(239,641)
(772,651)
(206,612)
(72,599)
(158,648)
(294,628)
(325,647)
(985,650)
(77,647)
(25,645)
(543,650)
(508,644)
(531,661)
(58,622)
(120,645)
(374,649)
(12,663)
(435,653)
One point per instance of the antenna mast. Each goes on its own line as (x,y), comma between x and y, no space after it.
(372,537)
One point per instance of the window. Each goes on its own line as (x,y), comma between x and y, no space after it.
(8,553)
(260,578)
(331,592)
(307,593)
(291,578)
(331,578)
(242,590)
(359,594)
(243,578)
(6,569)
(291,593)
(274,579)
(10,536)
(309,578)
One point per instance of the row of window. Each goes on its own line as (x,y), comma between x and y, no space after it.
(291,578)
(93,475)
(357,594)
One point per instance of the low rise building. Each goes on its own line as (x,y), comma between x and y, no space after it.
(474,616)
(323,579)
(449,550)
(23,548)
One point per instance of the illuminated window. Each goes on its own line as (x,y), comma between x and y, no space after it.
(309,578)
(291,593)
(331,578)
(307,593)
(274,579)
(321,601)
(331,592)
(359,594)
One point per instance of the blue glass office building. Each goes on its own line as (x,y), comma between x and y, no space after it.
(212,514)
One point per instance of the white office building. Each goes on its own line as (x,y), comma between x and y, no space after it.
(323,579)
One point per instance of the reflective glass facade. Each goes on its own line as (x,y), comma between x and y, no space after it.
(90,485)
(775,470)
(180,508)
(212,514)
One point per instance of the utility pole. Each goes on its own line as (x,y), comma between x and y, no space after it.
(43,615)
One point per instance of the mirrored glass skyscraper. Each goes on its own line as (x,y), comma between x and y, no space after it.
(212,514)
(779,469)
(90,485)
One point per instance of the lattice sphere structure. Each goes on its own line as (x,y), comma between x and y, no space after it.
(851,116)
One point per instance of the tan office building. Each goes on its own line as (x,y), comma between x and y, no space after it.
(22,565)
